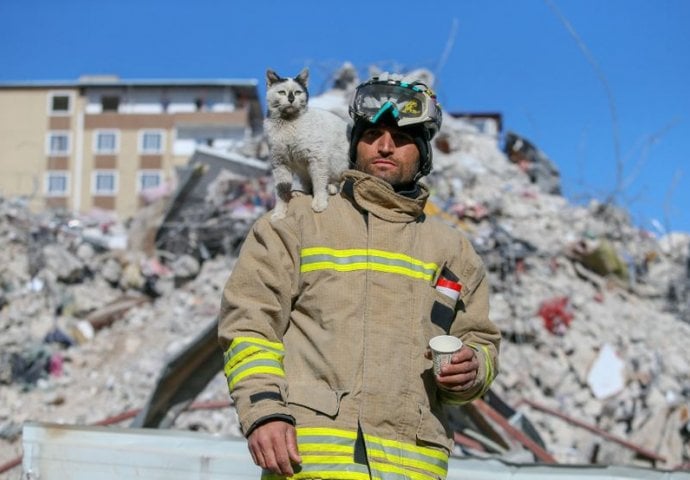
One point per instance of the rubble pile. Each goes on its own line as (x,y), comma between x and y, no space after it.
(588,305)
(595,313)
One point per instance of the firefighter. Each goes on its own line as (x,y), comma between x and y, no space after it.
(326,317)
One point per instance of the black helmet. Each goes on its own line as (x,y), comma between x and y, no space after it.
(411,105)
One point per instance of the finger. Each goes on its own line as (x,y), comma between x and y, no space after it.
(461,367)
(459,381)
(254,457)
(281,454)
(463,355)
(293,450)
(257,456)
(269,457)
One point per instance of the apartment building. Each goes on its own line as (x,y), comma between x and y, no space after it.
(101,142)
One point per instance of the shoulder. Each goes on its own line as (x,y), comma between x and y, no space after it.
(457,242)
(442,229)
(301,217)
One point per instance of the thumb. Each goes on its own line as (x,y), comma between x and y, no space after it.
(291,442)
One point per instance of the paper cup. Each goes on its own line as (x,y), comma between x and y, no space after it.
(442,348)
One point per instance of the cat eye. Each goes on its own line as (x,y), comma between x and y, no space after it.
(282,92)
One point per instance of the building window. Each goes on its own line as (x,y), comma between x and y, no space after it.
(110,103)
(104,182)
(148,179)
(57,184)
(151,141)
(106,141)
(60,103)
(58,143)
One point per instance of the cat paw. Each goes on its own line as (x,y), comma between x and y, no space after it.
(332,188)
(319,204)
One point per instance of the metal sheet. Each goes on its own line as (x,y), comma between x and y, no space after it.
(80,453)
(60,452)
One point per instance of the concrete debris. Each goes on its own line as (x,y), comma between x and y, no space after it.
(91,310)
(538,167)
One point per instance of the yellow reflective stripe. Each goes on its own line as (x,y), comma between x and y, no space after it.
(489,374)
(258,356)
(258,341)
(488,364)
(251,356)
(240,343)
(365,266)
(407,455)
(350,267)
(347,260)
(429,452)
(320,447)
(255,371)
(404,462)
(352,252)
(322,474)
(248,354)
(377,467)
(321,431)
(325,450)
(326,459)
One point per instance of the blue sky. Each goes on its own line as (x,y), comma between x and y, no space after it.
(601,86)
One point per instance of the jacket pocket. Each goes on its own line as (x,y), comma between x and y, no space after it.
(315,397)
(442,311)
(431,430)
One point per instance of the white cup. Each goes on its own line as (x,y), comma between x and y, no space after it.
(442,348)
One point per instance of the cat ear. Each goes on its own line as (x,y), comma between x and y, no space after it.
(271,77)
(303,77)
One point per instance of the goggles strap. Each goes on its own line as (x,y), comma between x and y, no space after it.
(387,107)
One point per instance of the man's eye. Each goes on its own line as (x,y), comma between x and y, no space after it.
(371,134)
(402,139)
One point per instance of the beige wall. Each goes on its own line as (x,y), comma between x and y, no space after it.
(25,121)
(23,128)
(128,161)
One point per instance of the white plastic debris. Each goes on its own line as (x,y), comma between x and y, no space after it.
(607,375)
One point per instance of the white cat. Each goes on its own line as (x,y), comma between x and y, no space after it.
(308,143)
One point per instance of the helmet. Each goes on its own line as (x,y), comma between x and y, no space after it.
(411,105)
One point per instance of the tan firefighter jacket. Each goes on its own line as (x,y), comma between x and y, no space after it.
(326,317)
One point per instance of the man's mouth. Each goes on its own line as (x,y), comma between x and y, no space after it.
(383,161)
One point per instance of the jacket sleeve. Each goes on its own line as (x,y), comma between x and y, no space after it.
(473,326)
(254,315)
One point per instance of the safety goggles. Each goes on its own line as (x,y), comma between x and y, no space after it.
(407,103)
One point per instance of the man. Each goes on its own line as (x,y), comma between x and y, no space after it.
(326,317)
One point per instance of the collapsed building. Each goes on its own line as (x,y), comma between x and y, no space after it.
(594,311)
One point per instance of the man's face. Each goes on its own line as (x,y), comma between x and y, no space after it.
(389,153)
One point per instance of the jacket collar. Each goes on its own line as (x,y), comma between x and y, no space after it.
(377,197)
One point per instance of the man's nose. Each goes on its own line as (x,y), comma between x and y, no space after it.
(385,142)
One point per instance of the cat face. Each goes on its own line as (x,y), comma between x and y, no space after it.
(286,97)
